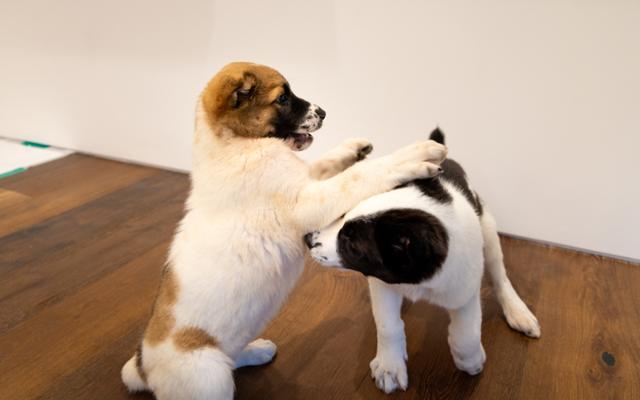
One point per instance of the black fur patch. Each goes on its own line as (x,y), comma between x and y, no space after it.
(451,172)
(396,246)
(432,187)
(478,206)
(290,115)
(437,135)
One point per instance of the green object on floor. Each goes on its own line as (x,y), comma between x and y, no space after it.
(35,144)
(12,172)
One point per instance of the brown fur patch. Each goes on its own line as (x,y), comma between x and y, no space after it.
(240,97)
(162,319)
(192,338)
(139,367)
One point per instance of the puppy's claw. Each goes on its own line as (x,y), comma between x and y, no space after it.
(521,319)
(364,152)
(389,373)
(358,147)
(433,169)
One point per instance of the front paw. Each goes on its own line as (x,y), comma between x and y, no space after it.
(436,152)
(472,363)
(390,372)
(359,148)
(417,161)
(425,151)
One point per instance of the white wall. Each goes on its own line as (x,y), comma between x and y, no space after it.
(540,100)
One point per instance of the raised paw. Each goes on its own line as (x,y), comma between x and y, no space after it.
(427,150)
(436,152)
(389,372)
(258,352)
(363,152)
(418,161)
(521,319)
(359,147)
(472,363)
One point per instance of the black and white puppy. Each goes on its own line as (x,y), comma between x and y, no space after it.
(429,239)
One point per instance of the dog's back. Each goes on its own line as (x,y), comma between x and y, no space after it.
(450,199)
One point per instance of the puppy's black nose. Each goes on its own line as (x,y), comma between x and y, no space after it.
(308,239)
(321,113)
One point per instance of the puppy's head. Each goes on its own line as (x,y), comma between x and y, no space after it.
(395,246)
(255,101)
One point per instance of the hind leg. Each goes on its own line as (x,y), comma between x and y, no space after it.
(518,315)
(464,336)
(258,352)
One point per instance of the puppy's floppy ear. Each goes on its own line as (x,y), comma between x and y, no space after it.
(413,244)
(244,90)
(396,236)
(401,243)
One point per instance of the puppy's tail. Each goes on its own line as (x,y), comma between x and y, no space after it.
(437,135)
(204,373)
(133,375)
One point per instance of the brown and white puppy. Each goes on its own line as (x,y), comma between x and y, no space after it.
(238,251)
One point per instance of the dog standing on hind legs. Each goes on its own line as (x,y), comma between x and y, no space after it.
(238,251)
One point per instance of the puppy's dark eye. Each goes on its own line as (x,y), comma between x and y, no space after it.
(342,216)
(282,99)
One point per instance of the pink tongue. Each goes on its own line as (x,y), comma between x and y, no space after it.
(302,140)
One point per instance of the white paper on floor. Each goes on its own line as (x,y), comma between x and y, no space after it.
(15,155)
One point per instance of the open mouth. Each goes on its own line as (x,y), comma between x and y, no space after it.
(299,141)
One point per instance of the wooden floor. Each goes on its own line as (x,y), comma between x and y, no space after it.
(82,242)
